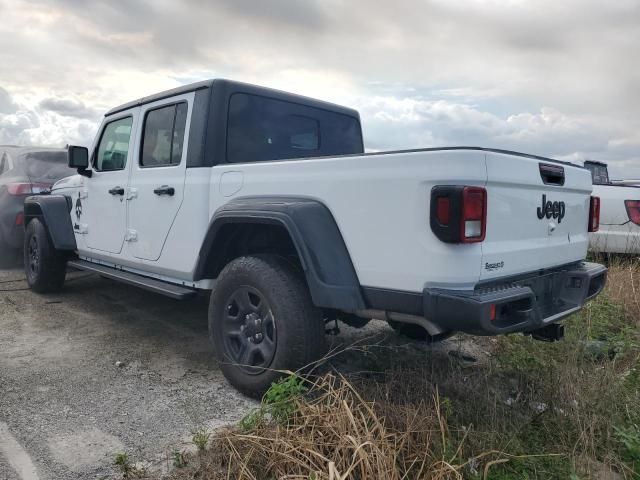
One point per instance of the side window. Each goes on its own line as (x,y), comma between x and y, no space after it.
(114,146)
(163,136)
(304,132)
(264,129)
(4,164)
(261,128)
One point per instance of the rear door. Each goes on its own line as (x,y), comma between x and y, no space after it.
(537,215)
(100,210)
(156,188)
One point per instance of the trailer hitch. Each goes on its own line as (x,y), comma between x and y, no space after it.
(548,333)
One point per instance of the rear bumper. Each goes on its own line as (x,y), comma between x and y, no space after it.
(616,239)
(521,304)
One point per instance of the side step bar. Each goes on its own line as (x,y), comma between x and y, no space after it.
(151,284)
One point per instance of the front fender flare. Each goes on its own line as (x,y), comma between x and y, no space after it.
(53,211)
(330,274)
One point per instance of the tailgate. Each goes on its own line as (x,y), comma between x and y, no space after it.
(523,234)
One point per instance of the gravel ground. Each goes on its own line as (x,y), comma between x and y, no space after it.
(64,401)
(67,404)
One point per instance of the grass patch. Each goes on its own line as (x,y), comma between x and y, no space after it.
(533,410)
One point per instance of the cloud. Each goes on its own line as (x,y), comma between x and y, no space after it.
(6,102)
(53,122)
(555,78)
(68,108)
(15,121)
(398,123)
(306,15)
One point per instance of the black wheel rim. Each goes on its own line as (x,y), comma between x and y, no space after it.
(249,330)
(34,256)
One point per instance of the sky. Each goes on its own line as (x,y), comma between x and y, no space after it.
(553,78)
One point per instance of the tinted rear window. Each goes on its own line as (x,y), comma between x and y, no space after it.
(261,128)
(599,173)
(45,166)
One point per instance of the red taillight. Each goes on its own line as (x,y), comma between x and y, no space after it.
(492,312)
(474,215)
(633,210)
(443,208)
(27,188)
(20,219)
(458,214)
(594,214)
(19,188)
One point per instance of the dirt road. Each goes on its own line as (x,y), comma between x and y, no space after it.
(103,368)
(66,408)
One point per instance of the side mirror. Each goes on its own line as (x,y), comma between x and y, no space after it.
(78,158)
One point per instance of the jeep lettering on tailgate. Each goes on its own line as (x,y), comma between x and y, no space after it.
(551,209)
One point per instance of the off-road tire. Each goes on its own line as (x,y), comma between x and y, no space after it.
(416,332)
(298,324)
(45,267)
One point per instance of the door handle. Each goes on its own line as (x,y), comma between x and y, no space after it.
(165,190)
(117,191)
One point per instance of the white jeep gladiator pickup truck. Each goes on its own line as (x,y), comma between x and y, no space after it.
(619,230)
(268,200)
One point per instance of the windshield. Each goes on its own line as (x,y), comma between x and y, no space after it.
(45,166)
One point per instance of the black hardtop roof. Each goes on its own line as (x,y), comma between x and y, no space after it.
(594,162)
(237,87)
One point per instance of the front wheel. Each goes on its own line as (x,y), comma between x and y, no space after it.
(44,266)
(262,322)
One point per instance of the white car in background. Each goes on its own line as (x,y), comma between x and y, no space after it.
(627,183)
(619,212)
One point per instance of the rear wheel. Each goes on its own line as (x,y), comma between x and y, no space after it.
(262,322)
(416,332)
(44,266)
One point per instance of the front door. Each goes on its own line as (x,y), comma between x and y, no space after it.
(158,175)
(101,206)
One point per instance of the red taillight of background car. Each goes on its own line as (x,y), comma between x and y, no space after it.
(633,210)
(20,219)
(594,214)
(459,213)
(24,188)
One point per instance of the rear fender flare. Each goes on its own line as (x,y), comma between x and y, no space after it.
(331,277)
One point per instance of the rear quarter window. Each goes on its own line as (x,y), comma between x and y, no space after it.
(261,128)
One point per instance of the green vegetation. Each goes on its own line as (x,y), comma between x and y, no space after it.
(525,410)
(125,466)
(278,404)
(200,437)
(179,459)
